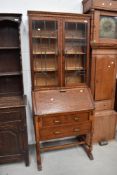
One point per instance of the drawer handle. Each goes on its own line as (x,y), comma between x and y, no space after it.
(62,90)
(76,130)
(56,121)
(76,118)
(57,132)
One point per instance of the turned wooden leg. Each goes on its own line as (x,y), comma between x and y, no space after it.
(37,137)
(89,140)
(88,151)
(88,147)
(39,166)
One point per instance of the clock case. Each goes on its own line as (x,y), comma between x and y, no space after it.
(103,70)
(96,37)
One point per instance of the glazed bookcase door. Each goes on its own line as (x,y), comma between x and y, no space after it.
(105,27)
(75,52)
(45,53)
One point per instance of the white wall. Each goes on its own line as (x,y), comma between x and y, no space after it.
(21,6)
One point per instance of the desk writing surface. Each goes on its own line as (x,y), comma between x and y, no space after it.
(65,101)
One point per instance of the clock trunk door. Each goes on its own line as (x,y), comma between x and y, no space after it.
(105,77)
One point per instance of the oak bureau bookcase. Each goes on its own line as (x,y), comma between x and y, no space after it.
(62,102)
(13,129)
(103,68)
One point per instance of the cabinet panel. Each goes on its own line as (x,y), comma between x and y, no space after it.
(104,77)
(104,125)
(11,85)
(13,114)
(10,139)
(13,135)
(13,56)
(9,33)
(8,116)
(103,105)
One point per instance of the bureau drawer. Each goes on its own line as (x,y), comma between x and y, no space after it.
(59,120)
(64,131)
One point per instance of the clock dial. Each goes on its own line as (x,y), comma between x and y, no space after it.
(108,27)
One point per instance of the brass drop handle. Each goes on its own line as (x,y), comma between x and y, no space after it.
(76,130)
(76,118)
(63,90)
(56,121)
(57,132)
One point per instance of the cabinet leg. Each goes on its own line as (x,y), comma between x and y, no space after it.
(89,145)
(27,158)
(39,166)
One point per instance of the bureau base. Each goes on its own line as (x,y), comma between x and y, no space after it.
(62,144)
(55,119)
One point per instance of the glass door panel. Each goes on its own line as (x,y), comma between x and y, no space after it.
(75,44)
(45,52)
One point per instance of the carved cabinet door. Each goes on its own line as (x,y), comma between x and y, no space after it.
(11,141)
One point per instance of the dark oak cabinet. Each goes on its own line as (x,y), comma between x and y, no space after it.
(13,129)
(62,102)
(103,65)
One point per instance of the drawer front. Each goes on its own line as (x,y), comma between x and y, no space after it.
(60,120)
(9,115)
(65,131)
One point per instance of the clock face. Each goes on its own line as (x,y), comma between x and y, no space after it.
(108,27)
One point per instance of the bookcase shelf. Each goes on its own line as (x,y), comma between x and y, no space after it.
(10,73)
